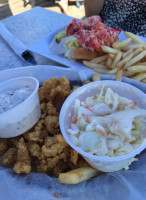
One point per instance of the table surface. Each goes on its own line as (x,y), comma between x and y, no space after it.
(29,27)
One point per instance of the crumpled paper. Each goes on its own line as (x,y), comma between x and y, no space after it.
(118,185)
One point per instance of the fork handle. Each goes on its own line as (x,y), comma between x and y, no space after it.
(17,46)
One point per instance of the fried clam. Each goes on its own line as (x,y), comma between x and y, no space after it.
(3,146)
(23,162)
(9,157)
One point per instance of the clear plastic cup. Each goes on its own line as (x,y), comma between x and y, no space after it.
(105,164)
(23,116)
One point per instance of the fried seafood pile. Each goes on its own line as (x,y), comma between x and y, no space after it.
(43,148)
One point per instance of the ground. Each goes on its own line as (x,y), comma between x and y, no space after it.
(13,7)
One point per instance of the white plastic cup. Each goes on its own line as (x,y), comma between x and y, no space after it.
(105,164)
(24,116)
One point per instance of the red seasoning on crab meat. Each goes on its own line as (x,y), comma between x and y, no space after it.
(92,33)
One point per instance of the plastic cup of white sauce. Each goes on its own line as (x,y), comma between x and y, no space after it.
(105,164)
(23,116)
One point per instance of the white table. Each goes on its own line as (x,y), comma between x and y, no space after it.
(29,27)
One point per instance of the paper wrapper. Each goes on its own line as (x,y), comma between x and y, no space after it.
(129,184)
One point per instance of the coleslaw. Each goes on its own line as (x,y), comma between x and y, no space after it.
(107,124)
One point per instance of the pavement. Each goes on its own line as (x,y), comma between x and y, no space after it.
(13,7)
(76,9)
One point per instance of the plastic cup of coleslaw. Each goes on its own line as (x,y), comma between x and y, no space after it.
(101,163)
(19,106)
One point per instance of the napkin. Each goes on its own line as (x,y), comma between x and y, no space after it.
(18,47)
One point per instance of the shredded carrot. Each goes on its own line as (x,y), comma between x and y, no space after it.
(87,118)
(88,108)
(101,132)
(134,102)
(74,121)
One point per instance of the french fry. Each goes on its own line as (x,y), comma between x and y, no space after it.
(109,62)
(116,59)
(125,60)
(126,53)
(94,65)
(120,72)
(78,175)
(140,76)
(119,75)
(134,37)
(112,55)
(106,71)
(137,68)
(102,71)
(99,59)
(135,59)
(143,63)
(128,73)
(96,77)
(134,46)
(113,71)
(107,49)
(118,45)
(137,51)
(103,63)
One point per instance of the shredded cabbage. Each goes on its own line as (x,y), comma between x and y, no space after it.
(107,125)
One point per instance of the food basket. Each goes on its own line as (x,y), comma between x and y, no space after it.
(40,186)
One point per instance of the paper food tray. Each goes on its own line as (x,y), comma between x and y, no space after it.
(119,185)
(42,47)
(44,72)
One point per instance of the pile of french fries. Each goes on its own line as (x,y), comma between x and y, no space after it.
(125,58)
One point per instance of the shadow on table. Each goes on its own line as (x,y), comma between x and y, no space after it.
(5,10)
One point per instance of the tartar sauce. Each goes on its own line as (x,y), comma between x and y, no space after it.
(12,98)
